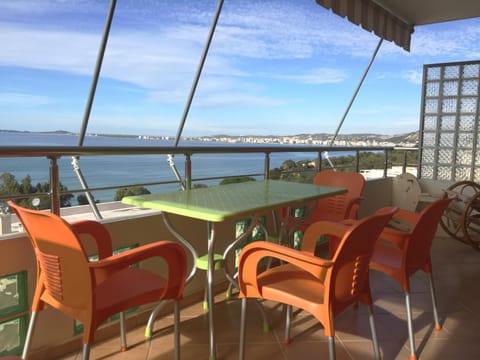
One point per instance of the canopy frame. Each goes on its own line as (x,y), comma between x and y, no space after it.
(88,107)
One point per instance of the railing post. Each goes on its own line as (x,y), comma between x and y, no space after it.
(385,165)
(319,162)
(188,171)
(357,161)
(266,170)
(404,167)
(54,186)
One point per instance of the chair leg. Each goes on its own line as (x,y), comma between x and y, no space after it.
(205,298)
(86,352)
(229,292)
(151,319)
(288,324)
(434,303)
(243,317)
(371,320)
(28,339)
(176,326)
(410,326)
(331,347)
(266,326)
(123,335)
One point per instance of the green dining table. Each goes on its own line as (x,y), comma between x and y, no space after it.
(216,204)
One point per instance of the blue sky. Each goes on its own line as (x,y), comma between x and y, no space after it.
(275,67)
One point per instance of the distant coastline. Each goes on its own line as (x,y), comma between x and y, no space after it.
(323,139)
(64,132)
(107,171)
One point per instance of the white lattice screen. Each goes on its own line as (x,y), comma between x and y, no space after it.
(449,125)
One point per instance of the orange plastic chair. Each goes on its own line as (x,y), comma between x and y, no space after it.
(400,254)
(339,207)
(322,287)
(332,208)
(92,291)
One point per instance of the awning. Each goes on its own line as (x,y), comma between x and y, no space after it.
(394,20)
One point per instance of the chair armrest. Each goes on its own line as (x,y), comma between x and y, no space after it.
(254,252)
(407,216)
(394,236)
(391,234)
(173,254)
(317,229)
(352,207)
(98,232)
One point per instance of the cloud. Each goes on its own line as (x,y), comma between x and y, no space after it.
(218,97)
(28,8)
(316,76)
(239,99)
(458,39)
(413,76)
(288,30)
(23,99)
(157,47)
(262,55)
(70,52)
(263,30)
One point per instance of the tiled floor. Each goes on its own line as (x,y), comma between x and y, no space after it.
(457,276)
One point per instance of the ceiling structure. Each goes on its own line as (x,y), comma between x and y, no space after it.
(394,20)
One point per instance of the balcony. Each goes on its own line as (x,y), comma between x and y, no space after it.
(449,132)
(455,268)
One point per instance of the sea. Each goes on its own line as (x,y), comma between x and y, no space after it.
(103,171)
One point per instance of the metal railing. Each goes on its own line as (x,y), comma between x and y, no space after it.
(54,153)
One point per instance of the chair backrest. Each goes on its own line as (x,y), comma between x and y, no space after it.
(61,258)
(349,277)
(337,208)
(422,233)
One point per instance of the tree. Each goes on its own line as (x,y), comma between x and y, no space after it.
(288,165)
(300,171)
(130,191)
(83,200)
(10,186)
(235,180)
(45,200)
(275,174)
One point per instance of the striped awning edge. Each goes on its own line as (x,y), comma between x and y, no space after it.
(372,17)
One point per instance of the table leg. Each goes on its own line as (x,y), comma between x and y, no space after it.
(210,271)
(230,273)
(290,225)
(282,229)
(156,310)
(184,242)
(210,281)
(211,307)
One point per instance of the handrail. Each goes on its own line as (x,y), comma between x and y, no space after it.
(56,152)
(48,151)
